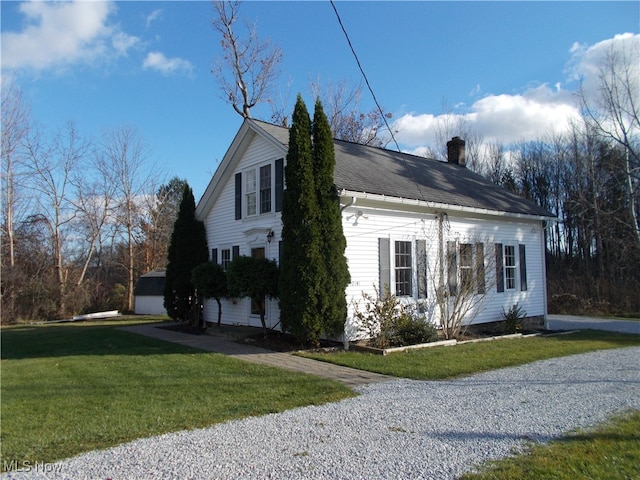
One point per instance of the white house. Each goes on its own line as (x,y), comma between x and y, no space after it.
(411,223)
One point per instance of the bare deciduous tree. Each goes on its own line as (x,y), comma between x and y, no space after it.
(15,124)
(248,68)
(341,103)
(50,168)
(614,113)
(94,197)
(125,152)
(462,272)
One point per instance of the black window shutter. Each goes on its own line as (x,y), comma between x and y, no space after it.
(214,255)
(235,250)
(421,253)
(480,267)
(238,196)
(279,183)
(523,268)
(499,269)
(452,270)
(384,265)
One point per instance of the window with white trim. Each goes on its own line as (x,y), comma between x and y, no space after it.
(510,267)
(511,264)
(225,258)
(465,267)
(265,188)
(259,189)
(250,194)
(403,268)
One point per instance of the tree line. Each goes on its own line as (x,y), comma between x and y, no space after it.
(81,218)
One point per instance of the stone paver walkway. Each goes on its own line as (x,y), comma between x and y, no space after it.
(227,346)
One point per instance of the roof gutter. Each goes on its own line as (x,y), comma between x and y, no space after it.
(436,206)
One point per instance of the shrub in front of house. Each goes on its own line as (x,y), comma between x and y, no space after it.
(412,330)
(513,319)
(386,322)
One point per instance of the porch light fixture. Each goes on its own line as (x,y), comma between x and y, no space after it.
(270,236)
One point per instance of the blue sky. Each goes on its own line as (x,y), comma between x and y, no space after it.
(508,68)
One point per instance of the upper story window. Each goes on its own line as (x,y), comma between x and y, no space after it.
(265,188)
(250,192)
(259,189)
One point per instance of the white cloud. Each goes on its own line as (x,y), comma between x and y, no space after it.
(122,42)
(153,16)
(58,34)
(529,115)
(167,66)
(503,118)
(585,60)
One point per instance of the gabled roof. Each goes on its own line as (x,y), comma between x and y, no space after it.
(150,284)
(394,175)
(361,168)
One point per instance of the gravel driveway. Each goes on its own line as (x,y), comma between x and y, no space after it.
(400,429)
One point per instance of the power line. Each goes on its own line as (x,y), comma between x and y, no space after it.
(366,80)
(384,118)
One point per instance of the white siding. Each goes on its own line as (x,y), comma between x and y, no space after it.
(149,305)
(364,225)
(224,232)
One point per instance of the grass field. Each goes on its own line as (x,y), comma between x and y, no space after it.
(454,361)
(610,451)
(70,388)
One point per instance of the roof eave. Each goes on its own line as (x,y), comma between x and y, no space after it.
(436,206)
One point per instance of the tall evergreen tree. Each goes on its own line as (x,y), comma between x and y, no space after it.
(332,302)
(301,259)
(187,250)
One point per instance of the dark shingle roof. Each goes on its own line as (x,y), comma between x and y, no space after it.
(360,168)
(150,284)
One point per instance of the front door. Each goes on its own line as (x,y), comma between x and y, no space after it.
(257,304)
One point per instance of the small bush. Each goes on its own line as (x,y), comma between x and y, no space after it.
(513,319)
(388,323)
(410,330)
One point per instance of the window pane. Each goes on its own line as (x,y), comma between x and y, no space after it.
(226,258)
(466,272)
(250,191)
(403,268)
(251,203)
(510,267)
(265,189)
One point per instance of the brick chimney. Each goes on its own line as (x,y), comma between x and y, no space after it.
(455,151)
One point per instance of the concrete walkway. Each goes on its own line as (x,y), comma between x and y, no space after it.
(225,344)
(574,322)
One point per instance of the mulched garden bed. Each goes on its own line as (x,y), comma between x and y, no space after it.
(185,328)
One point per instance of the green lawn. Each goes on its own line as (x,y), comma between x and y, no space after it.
(70,388)
(447,362)
(608,452)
